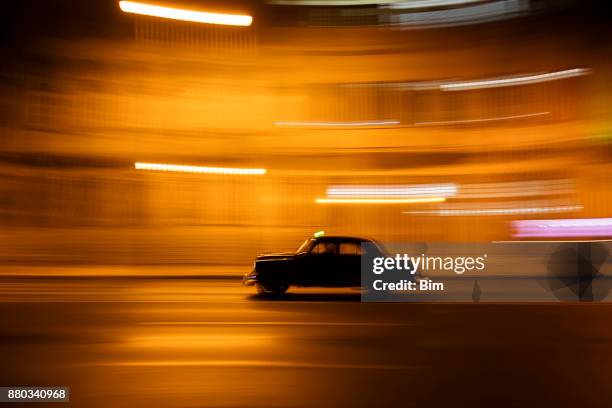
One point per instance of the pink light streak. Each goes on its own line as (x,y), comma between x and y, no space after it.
(562,228)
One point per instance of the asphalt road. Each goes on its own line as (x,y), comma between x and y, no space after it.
(123,342)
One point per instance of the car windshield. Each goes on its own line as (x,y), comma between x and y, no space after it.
(303,247)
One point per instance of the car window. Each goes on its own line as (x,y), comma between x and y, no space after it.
(350,248)
(324,248)
(302,248)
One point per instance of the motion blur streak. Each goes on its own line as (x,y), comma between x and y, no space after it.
(516,189)
(513,81)
(364,123)
(498,211)
(187,339)
(580,227)
(438,190)
(146,161)
(380,200)
(252,363)
(198,169)
(185,15)
(428,3)
(457,122)
(329,2)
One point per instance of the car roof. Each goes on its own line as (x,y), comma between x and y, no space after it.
(344,237)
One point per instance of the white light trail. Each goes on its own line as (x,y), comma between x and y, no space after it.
(497,211)
(513,81)
(516,189)
(429,3)
(199,169)
(496,119)
(380,200)
(185,15)
(365,123)
(421,190)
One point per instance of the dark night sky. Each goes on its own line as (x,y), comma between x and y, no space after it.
(24,22)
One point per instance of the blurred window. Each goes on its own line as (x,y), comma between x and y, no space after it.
(324,248)
(350,248)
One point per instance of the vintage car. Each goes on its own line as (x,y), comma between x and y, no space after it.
(321,261)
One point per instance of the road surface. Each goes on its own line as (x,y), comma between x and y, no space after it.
(188,342)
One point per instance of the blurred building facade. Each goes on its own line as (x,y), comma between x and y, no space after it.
(317,106)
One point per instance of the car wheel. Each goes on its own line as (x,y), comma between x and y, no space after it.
(272,288)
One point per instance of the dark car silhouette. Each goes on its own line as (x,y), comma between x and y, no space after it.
(321,261)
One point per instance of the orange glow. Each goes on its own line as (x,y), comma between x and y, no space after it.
(380,200)
(198,341)
(185,15)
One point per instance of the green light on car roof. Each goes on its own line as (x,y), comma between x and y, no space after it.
(319,234)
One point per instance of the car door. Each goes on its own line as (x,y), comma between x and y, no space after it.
(349,262)
(318,266)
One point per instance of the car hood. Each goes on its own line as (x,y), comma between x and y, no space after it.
(268,257)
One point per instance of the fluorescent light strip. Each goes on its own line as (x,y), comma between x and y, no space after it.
(440,190)
(497,211)
(380,200)
(199,169)
(513,81)
(185,15)
(341,124)
(500,118)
